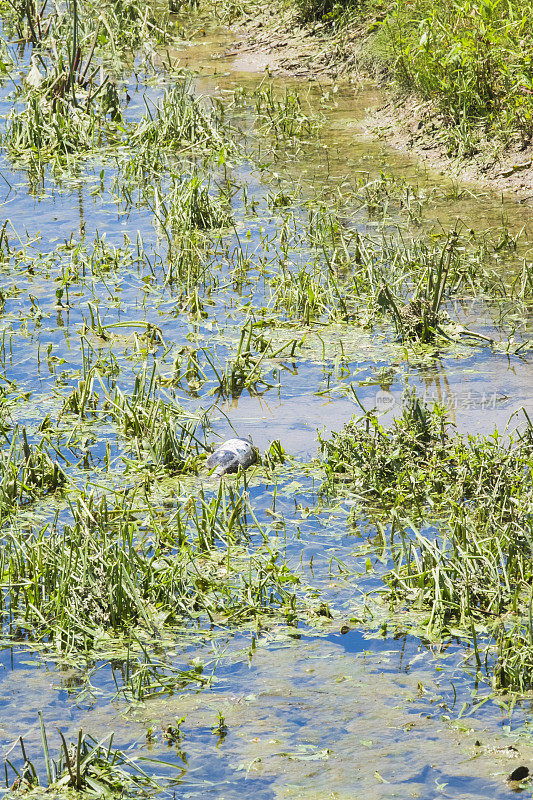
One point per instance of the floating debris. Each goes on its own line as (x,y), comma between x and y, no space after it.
(519,774)
(34,77)
(232,455)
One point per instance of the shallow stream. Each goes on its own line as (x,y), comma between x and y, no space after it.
(311,712)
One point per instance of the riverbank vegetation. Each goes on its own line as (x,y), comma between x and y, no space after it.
(469,62)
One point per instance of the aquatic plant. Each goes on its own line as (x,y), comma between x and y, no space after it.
(246,368)
(41,131)
(190,262)
(162,433)
(460,511)
(70,106)
(88,767)
(283,116)
(145,675)
(27,473)
(418,460)
(83,399)
(181,118)
(188,203)
(309,294)
(124,26)
(419,318)
(104,575)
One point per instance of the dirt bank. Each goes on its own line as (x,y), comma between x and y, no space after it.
(411,126)
(274,40)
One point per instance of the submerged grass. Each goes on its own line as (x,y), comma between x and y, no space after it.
(41,131)
(283,116)
(163,434)
(247,368)
(122,568)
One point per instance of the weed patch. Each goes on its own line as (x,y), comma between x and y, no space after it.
(27,473)
(106,574)
(83,768)
(473,58)
(474,573)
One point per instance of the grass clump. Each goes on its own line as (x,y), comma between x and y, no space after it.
(41,131)
(309,294)
(186,203)
(419,460)
(161,433)
(190,204)
(473,580)
(467,561)
(70,106)
(27,473)
(181,119)
(83,768)
(112,29)
(419,318)
(246,369)
(158,432)
(283,116)
(122,568)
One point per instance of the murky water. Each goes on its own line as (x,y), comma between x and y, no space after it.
(309,713)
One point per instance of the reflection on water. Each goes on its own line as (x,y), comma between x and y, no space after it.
(307,718)
(328,715)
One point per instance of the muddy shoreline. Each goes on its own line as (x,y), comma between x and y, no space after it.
(275,43)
